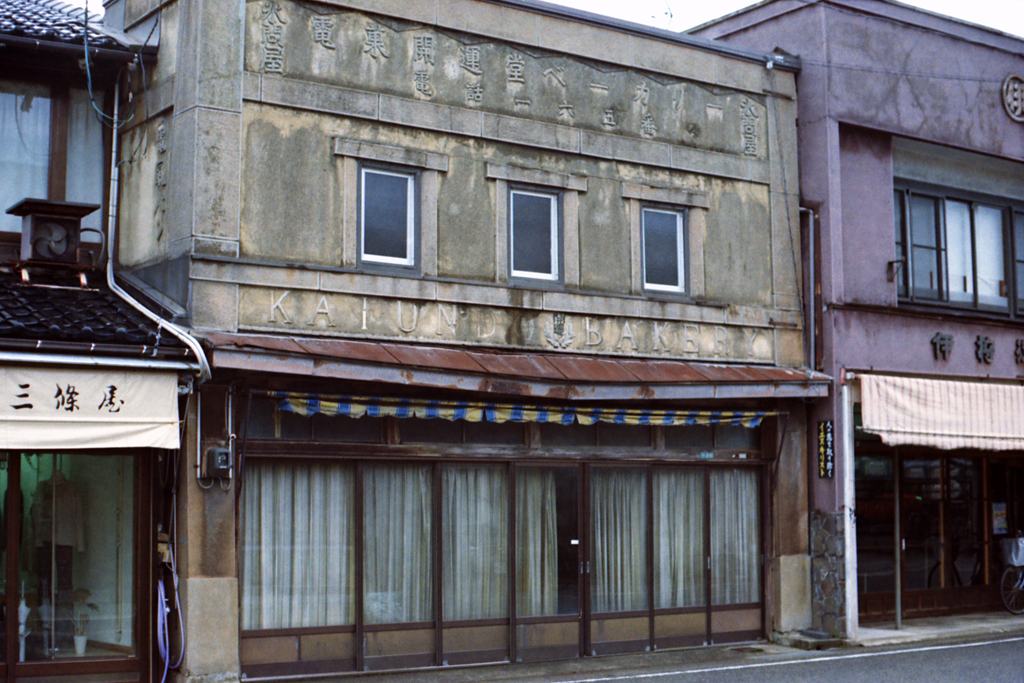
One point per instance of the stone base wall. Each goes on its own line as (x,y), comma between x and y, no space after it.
(828,573)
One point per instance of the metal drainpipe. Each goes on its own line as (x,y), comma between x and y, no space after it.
(185,338)
(811,298)
(848,509)
(897,539)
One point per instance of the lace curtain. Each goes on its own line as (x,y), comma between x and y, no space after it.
(85,155)
(679,578)
(474,531)
(24,146)
(735,551)
(398,565)
(298,541)
(619,562)
(537,543)
(297,546)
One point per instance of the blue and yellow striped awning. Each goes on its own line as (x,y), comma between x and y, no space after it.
(350,406)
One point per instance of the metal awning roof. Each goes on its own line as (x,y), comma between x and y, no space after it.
(541,375)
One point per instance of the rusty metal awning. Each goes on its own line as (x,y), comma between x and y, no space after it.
(543,375)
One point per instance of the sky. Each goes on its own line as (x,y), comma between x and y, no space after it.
(679,15)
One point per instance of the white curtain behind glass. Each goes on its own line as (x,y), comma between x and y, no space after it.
(619,564)
(734,537)
(988,230)
(297,546)
(536,543)
(398,569)
(959,253)
(474,531)
(678,538)
(85,160)
(24,147)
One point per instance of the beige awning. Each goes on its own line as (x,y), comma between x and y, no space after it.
(943,414)
(50,408)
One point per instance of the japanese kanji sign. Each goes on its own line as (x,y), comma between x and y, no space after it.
(64,408)
(826,450)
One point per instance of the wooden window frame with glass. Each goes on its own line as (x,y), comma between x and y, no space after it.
(64,146)
(516,635)
(928,222)
(19,526)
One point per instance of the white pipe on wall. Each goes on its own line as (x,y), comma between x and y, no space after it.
(848,509)
(186,338)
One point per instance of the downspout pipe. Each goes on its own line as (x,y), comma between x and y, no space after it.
(811,289)
(187,339)
(848,509)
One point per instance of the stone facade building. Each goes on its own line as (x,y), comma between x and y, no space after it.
(503,305)
(91,379)
(912,175)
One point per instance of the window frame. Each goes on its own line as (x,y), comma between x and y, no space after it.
(555,232)
(682,249)
(1012,257)
(60,86)
(412,228)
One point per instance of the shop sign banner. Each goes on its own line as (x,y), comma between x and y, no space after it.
(826,450)
(74,408)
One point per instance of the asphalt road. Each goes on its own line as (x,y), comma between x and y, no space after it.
(979,662)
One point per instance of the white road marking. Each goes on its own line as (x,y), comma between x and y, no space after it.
(793,662)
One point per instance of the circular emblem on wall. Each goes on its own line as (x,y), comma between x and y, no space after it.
(1013,97)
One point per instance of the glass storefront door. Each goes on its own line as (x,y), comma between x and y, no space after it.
(381,564)
(69,551)
(548,562)
(945,539)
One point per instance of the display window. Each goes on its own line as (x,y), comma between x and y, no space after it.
(72,580)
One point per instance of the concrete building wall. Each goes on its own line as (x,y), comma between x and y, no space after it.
(240,181)
(270,181)
(886,92)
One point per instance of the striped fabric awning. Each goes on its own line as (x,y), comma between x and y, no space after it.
(349,406)
(943,414)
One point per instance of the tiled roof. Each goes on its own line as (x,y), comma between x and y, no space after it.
(53,307)
(52,21)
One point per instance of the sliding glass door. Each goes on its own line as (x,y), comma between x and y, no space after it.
(618,563)
(549,562)
(373,564)
(680,557)
(675,557)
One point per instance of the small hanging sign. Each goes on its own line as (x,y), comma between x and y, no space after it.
(826,450)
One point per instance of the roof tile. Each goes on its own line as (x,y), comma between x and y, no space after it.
(51,20)
(55,308)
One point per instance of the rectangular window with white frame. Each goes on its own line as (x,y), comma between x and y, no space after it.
(664,249)
(534,234)
(387,217)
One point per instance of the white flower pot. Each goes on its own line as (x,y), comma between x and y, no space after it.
(80,642)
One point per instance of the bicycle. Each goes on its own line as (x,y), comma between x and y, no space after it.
(956,553)
(1011,583)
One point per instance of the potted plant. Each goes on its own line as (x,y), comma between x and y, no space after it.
(80,608)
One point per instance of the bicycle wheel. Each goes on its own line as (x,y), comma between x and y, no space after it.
(1011,589)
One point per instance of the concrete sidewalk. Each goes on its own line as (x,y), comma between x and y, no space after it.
(969,627)
(965,626)
(960,626)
